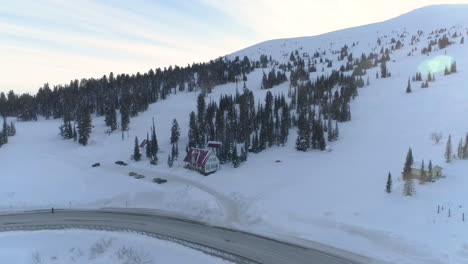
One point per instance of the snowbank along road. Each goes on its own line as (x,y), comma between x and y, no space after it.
(233,245)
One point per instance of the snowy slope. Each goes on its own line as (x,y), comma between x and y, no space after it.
(334,198)
(426,19)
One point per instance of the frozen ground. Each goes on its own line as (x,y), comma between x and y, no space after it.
(94,247)
(335,198)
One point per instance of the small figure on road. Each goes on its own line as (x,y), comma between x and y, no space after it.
(52,210)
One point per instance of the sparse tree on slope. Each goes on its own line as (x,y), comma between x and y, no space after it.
(460,149)
(408,88)
(175,135)
(429,169)
(448,150)
(388,187)
(136,151)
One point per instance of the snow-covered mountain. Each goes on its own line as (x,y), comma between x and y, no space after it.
(334,198)
(426,19)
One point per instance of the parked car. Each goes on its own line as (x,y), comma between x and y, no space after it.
(119,162)
(96,165)
(159,180)
(133,174)
(139,176)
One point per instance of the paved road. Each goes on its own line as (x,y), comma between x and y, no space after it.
(241,247)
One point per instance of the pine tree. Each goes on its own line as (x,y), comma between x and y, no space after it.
(446,71)
(12,129)
(429,170)
(111,117)
(201,108)
(175,135)
(170,161)
(235,156)
(175,132)
(148,147)
(336,132)
(408,88)
(4,134)
(460,150)
(383,70)
(465,149)
(154,146)
(453,67)
(284,130)
(84,125)
(175,151)
(124,117)
(409,161)
(136,150)
(448,150)
(423,172)
(75,135)
(303,133)
(388,187)
(193,131)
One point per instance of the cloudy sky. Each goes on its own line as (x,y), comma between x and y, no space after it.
(55,41)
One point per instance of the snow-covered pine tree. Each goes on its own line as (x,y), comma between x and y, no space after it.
(337,131)
(75,134)
(408,87)
(460,149)
(148,146)
(154,146)
(12,129)
(4,131)
(422,177)
(453,67)
(111,117)
(201,111)
(465,148)
(124,117)
(285,121)
(84,125)
(136,151)
(388,187)
(235,156)
(429,170)
(303,133)
(170,161)
(448,150)
(175,135)
(193,131)
(409,161)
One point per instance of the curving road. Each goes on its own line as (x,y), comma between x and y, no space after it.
(229,244)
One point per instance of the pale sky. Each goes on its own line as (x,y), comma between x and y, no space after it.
(55,41)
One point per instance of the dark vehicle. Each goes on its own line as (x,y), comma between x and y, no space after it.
(159,180)
(96,165)
(119,162)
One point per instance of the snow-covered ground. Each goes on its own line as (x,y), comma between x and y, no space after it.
(94,247)
(335,198)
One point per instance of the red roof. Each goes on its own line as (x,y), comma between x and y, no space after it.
(197,156)
(213,144)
